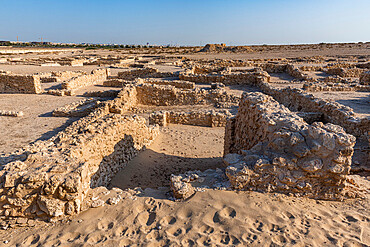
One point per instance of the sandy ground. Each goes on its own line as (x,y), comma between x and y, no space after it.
(32,69)
(209,218)
(178,149)
(37,122)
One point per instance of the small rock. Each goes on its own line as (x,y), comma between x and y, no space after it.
(97,203)
(21,220)
(114,200)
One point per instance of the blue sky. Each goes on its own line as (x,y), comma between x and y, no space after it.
(186,22)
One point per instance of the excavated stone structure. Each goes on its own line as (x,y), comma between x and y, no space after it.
(175,83)
(333,112)
(344,72)
(13,83)
(61,76)
(210,118)
(365,78)
(268,148)
(336,86)
(160,95)
(51,178)
(143,73)
(97,76)
(228,78)
(76,109)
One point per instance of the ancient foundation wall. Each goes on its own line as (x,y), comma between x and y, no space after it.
(344,72)
(209,118)
(230,78)
(51,178)
(76,109)
(320,86)
(96,77)
(268,148)
(148,94)
(61,76)
(175,83)
(143,73)
(290,69)
(365,78)
(333,112)
(13,83)
(116,82)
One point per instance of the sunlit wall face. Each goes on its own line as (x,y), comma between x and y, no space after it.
(186,22)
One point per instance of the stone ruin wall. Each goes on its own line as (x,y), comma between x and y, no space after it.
(51,178)
(76,109)
(150,94)
(344,72)
(210,118)
(294,99)
(143,73)
(230,78)
(335,87)
(175,83)
(270,149)
(13,83)
(333,112)
(96,77)
(61,76)
(365,78)
(290,69)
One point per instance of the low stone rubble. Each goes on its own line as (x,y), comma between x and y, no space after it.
(365,78)
(322,86)
(11,113)
(76,109)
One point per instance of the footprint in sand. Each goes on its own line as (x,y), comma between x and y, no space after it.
(258,226)
(249,237)
(168,220)
(103,225)
(145,218)
(204,241)
(224,214)
(153,235)
(175,231)
(125,242)
(187,243)
(69,237)
(31,240)
(279,240)
(184,213)
(119,231)
(206,229)
(96,238)
(130,232)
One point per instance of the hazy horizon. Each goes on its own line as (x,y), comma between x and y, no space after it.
(193,23)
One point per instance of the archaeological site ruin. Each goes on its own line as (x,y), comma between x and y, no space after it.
(296,125)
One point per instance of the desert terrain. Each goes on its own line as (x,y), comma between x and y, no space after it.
(163,146)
